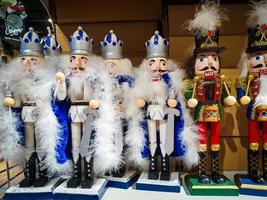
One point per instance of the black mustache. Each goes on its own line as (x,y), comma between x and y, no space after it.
(257,66)
(206,68)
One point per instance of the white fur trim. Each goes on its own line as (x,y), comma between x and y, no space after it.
(9,137)
(189,135)
(106,156)
(48,128)
(243,64)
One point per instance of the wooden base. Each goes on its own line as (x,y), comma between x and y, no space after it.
(248,187)
(212,189)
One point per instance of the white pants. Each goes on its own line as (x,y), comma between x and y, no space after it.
(32,141)
(76,136)
(153,126)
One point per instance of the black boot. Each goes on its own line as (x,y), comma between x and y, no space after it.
(202,168)
(165,173)
(29,172)
(152,173)
(215,175)
(75,181)
(43,178)
(88,173)
(264,166)
(253,166)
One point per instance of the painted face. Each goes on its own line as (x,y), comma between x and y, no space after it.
(158,66)
(115,66)
(78,64)
(207,64)
(257,62)
(29,62)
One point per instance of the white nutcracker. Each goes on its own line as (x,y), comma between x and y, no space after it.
(157,106)
(31,81)
(120,70)
(87,86)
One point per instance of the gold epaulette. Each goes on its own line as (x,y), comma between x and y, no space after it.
(241,83)
(188,84)
(228,82)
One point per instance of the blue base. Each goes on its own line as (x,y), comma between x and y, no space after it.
(248,187)
(124,182)
(94,193)
(157,185)
(40,193)
(27,196)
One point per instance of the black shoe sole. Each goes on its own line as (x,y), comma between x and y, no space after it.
(40,183)
(153,176)
(26,183)
(73,183)
(87,183)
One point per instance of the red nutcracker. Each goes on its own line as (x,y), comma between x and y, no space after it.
(252,89)
(207,91)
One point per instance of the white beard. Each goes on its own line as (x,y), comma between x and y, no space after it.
(159,92)
(261,99)
(76,88)
(34,84)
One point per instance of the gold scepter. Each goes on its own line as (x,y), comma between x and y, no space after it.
(230,99)
(250,77)
(224,83)
(246,99)
(195,86)
(191,103)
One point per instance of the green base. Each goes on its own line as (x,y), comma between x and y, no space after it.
(212,189)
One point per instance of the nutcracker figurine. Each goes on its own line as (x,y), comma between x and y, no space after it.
(31,82)
(120,70)
(252,91)
(91,113)
(208,90)
(161,119)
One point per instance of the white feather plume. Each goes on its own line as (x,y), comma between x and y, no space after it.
(208,17)
(11,147)
(258,13)
(48,129)
(107,158)
(243,64)
(135,138)
(189,135)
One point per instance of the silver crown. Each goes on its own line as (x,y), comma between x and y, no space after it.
(111,47)
(30,44)
(51,46)
(80,42)
(157,46)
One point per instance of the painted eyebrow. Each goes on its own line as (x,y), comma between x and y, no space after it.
(152,60)
(72,57)
(84,58)
(162,60)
